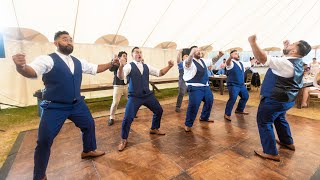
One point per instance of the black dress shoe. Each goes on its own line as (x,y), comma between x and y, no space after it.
(209,120)
(110,122)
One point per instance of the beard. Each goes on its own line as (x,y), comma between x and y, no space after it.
(197,55)
(66,50)
(285,51)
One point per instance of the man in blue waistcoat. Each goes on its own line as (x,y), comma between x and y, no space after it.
(278,92)
(62,75)
(235,84)
(139,93)
(184,53)
(197,81)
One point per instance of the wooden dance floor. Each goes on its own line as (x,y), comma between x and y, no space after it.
(219,150)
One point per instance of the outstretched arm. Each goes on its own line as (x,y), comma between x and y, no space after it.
(179,56)
(104,67)
(167,68)
(217,57)
(258,53)
(189,60)
(228,62)
(22,67)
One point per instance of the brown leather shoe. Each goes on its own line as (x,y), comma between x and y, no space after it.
(92,154)
(268,156)
(122,144)
(44,177)
(209,120)
(289,146)
(226,117)
(239,112)
(157,132)
(187,128)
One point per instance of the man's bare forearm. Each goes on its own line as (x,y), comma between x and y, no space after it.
(258,53)
(165,70)
(189,60)
(228,62)
(215,59)
(120,73)
(26,71)
(103,67)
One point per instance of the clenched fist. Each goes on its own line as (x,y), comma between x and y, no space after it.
(220,54)
(171,63)
(19,59)
(252,39)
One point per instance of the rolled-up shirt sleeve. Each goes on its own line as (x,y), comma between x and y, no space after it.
(231,66)
(153,71)
(88,68)
(41,65)
(280,66)
(189,72)
(126,70)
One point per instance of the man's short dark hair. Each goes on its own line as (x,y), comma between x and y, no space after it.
(121,53)
(233,51)
(185,51)
(314,58)
(193,47)
(59,33)
(134,49)
(303,48)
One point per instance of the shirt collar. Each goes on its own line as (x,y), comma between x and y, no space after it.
(62,56)
(136,62)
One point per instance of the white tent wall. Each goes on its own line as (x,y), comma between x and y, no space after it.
(147,23)
(18,90)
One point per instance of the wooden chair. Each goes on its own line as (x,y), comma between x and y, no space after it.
(248,81)
(313,98)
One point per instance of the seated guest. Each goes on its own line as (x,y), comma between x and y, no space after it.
(315,89)
(222,67)
(306,71)
(210,73)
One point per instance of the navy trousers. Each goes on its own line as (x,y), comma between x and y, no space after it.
(132,107)
(234,92)
(52,118)
(196,95)
(273,112)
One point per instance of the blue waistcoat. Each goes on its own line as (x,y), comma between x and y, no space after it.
(138,84)
(61,85)
(201,75)
(235,76)
(283,89)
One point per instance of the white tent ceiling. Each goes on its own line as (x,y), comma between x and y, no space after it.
(148,23)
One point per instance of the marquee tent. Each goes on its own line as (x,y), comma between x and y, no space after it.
(101,28)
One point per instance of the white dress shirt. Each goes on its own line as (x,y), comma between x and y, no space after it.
(152,71)
(43,64)
(190,72)
(245,65)
(281,66)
